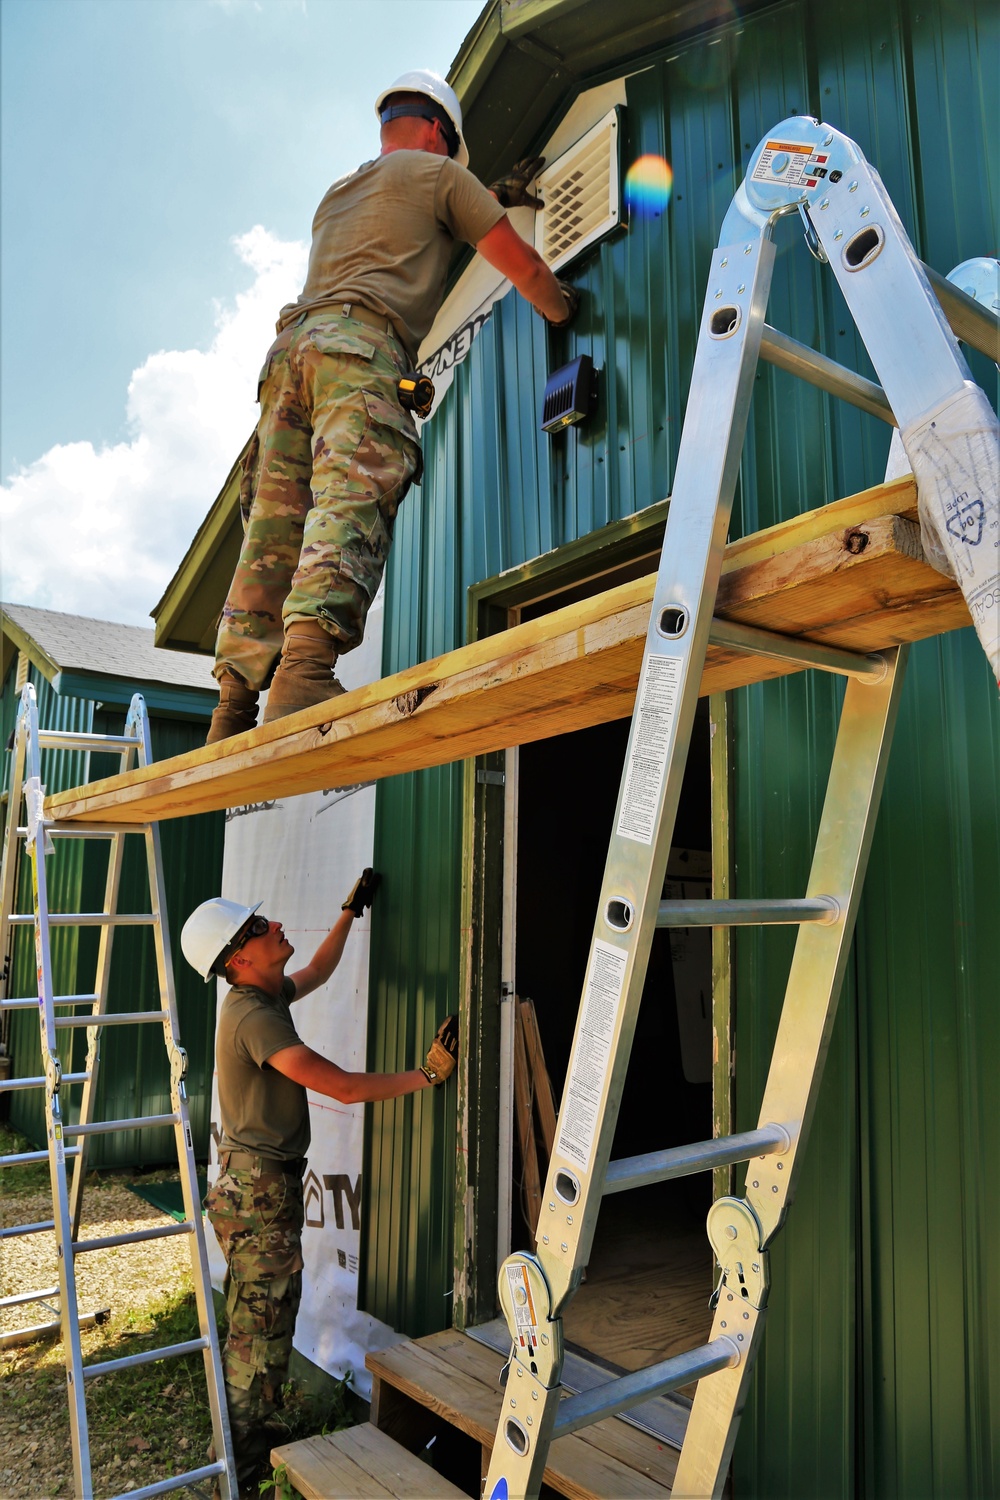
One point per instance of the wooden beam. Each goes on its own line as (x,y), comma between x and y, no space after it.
(851,575)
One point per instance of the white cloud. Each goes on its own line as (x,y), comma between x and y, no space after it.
(100,531)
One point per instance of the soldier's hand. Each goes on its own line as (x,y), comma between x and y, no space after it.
(571,300)
(512,191)
(442,1054)
(362,892)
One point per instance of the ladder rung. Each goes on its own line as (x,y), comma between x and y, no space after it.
(161,1232)
(176,1482)
(791,648)
(129,1361)
(20,1298)
(31,1003)
(87,919)
(16,1229)
(117,1018)
(764,913)
(35,1331)
(702,1156)
(619,1395)
(9,1085)
(106,1127)
(87,830)
(25,1158)
(798,359)
(970,321)
(73,739)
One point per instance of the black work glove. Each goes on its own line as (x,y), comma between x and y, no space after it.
(442,1054)
(512,191)
(362,892)
(571,297)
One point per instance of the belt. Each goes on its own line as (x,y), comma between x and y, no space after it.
(249,1162)
(354,310)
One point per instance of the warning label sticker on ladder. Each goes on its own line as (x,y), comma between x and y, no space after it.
(654,722)
(792,164)
(592,1054)
(525,1320)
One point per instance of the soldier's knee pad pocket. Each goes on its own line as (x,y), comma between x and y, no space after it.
(241,1374)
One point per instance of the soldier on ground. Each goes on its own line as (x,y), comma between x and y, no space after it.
(264,1070)
(335,451)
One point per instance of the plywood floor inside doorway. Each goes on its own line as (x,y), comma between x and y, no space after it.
(648,1282)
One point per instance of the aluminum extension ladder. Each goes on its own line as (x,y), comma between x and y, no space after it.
(59,1012)
(850,223)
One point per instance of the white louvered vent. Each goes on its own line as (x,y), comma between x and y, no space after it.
(581,194)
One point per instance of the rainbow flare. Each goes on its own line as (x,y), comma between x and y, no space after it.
(648,185)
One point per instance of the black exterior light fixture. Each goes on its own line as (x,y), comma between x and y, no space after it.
(570,394)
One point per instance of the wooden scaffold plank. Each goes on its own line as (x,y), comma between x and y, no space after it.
(851,574)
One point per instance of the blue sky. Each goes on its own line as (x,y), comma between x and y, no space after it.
(161,162)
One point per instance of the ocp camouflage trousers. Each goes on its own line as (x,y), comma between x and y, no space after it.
(327,468)
(257,1218)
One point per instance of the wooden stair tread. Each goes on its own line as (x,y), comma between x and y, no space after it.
(850,574)
(455,1377)
(361,1464)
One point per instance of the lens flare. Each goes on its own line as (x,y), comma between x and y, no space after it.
(648,185)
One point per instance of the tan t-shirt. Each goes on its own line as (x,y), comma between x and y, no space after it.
(261,1110)
(384,235)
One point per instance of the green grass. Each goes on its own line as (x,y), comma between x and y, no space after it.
(151,1420)
(18,1182)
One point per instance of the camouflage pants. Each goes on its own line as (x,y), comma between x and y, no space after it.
(332,458)
(257,1218)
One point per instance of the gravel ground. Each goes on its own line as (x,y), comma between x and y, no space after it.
(144,1423)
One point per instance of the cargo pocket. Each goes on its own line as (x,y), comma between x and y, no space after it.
(278,351)
(249,464)
(329,338)
(388,458)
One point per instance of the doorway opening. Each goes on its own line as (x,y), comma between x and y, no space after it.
(650,1275)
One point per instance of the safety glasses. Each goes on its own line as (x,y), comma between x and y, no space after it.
(256,927)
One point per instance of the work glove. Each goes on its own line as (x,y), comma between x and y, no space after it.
(442,1054)
(362,892)
(571,297)
(512,191)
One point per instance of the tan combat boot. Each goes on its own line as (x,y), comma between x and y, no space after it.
(237,708)
(305,672)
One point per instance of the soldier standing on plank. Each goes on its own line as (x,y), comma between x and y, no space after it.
(264,1070)
(335,452)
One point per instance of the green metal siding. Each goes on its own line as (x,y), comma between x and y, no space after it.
(878,1377)
(134,1077)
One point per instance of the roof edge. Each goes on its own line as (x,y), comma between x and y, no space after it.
(190,571)
(39,658)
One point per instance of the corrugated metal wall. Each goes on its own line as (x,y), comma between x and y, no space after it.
(878,1376)
(134,1077)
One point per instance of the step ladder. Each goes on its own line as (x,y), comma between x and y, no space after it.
(811,169)
(68,1142)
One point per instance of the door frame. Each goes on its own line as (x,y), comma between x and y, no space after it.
(489,822)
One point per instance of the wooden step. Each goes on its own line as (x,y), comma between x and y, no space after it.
(451,1378)
(360,1464)
(850,574)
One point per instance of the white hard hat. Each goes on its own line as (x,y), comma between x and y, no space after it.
(209,930)
(433,86)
